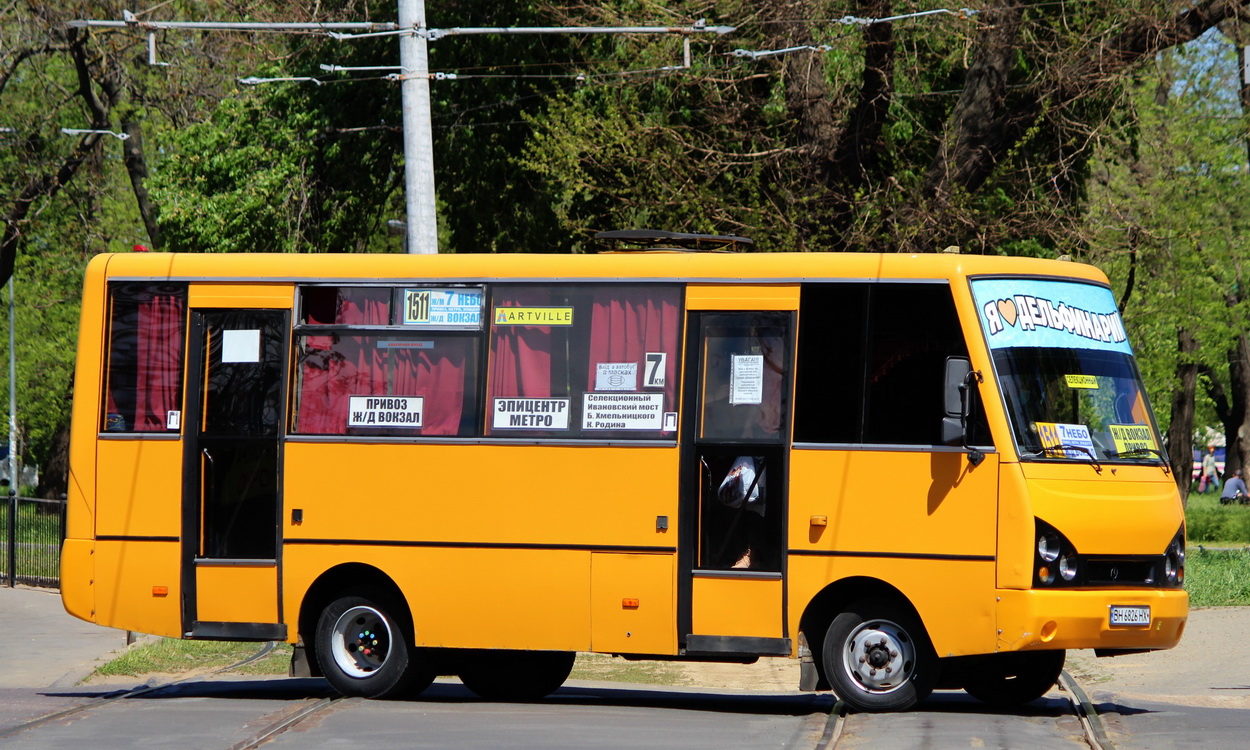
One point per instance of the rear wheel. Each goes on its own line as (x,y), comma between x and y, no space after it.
(363,648)
(878,658)
(515,675)
(1013,678)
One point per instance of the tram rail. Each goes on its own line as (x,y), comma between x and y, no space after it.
(840,718)
(130,693)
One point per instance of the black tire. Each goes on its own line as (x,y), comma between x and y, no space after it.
(515,675)
(1014,678)
(363,648)
(877,657)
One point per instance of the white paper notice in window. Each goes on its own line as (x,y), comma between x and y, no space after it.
(616,376)
(240,346)
(746,379)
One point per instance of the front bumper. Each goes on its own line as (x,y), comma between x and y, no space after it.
(1067,619)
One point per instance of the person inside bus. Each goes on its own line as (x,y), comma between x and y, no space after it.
(744,486)
(744,490)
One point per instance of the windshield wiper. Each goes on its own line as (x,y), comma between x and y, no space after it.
(1167,469)
(1049,449)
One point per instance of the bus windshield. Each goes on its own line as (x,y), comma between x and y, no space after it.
(1078,404)
(1068,377)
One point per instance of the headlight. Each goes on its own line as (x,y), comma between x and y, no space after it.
(1067,568)
(1055,561)
(1174,560)
(1048,546)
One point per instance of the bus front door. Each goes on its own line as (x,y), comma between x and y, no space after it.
(231,496)
(735,449)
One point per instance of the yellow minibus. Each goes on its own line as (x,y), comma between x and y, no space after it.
(907,472)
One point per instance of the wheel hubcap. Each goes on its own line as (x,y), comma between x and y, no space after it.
(361,641)
(879,656)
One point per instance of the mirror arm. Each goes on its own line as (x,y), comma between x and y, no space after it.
(975,457)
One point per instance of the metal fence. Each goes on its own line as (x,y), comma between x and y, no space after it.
(31,530)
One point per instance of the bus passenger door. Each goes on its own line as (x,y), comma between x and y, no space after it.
(231,497)
(735,443)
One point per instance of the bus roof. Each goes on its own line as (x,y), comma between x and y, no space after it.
(659,266)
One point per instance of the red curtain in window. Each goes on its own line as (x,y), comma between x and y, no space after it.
(521,355)
(158,381)
(437,375)
(626,324)
(335,367)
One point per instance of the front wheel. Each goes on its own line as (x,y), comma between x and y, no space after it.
(878,658)
(1013,678)
(363,650)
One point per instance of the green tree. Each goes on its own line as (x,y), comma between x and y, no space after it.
(1168,218)
(901,136)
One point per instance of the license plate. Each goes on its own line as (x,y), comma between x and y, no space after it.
(1121,615)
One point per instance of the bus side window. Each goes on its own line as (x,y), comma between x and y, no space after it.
(147,325)
(871,363)
(389,382)
(829,374)
(912,329)
(591,361)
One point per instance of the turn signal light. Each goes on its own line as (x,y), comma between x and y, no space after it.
(628,603)
(160,591)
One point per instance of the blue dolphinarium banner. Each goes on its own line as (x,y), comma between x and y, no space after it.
(1044,313)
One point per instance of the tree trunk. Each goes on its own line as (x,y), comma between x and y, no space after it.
(42,187)
(137,167)
(1237,427)
(1181,428)
(54,473)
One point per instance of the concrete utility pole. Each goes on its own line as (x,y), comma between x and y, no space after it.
(422,232)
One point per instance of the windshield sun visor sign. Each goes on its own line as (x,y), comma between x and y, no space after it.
(1045,313)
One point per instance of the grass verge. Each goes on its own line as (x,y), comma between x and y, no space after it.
(1217,578)
(605,668)
(1208,522)
(174,656)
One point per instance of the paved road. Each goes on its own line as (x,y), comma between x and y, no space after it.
(43,645)
(227,712)
(1195,696)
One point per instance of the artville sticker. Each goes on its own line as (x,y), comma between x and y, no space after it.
(533,316)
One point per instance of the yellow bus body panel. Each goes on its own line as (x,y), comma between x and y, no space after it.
(208,295)
(1082,619)
(694,268)
(744,297)
(85,411)
(236,593)
(1136,512)
(923,522)
(955,598)
(470,533)
(78,578)
(738,607)
(480,598)
(129,577)
(632,603)
(140,488)
(481,494)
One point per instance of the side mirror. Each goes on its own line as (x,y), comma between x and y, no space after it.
(957,369)
(959,378)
